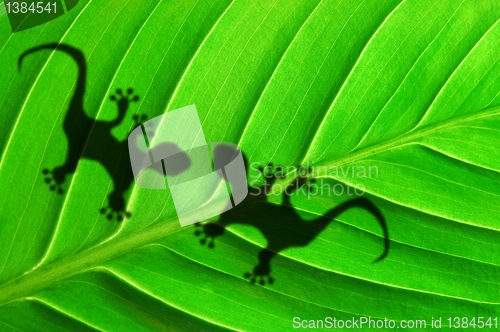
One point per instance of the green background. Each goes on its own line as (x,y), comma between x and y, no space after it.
(412,87)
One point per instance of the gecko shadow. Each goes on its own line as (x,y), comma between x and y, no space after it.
(281,225)
(90,138)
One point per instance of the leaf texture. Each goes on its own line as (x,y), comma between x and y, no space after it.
(409,87)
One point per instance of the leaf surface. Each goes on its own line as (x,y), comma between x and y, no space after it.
(409,88)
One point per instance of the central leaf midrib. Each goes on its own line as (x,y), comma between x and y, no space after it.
(40,278)
(408,137)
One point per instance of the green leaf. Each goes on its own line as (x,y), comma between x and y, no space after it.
(407,88)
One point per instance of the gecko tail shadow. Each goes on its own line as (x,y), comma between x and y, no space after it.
(367,205)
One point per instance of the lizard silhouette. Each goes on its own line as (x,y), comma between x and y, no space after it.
(288,229)
(89,138)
